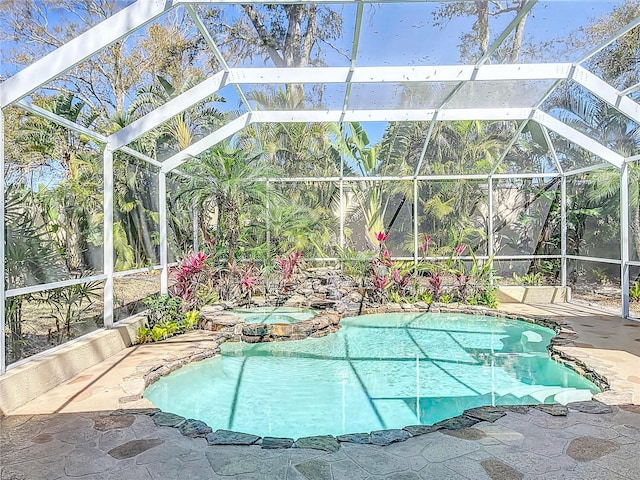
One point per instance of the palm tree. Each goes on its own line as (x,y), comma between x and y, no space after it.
(31,257)
(452,208)
(71,208)
(299,149)
(595,118)
(373,197)
(188,126)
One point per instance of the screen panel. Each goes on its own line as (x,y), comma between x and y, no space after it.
(38,322)
(526,214)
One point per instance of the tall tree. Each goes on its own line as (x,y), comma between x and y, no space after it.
(288,35)
(107,80)
(476,42)
(71,207)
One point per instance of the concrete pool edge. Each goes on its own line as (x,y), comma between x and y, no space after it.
(565,335)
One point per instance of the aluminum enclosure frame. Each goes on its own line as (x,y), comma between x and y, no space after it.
(140,13)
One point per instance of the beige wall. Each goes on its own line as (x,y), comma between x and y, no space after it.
(36,376)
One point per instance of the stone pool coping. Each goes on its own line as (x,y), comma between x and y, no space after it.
(197,429)
(233,329)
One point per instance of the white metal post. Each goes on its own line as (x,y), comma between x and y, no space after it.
(267,223)
(563,230)
(342,199)
(490,245)
(107,172)
(415,221)
(3,362)
(162,206)
(196,221)
(624,238)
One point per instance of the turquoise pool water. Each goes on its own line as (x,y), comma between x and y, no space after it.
(270,315)
(376,372)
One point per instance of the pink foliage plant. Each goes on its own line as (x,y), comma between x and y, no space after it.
(288,265)
(188,276)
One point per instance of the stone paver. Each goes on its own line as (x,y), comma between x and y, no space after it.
(520,450)
(95,427)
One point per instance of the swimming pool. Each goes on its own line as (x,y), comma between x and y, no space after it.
(376,372)
(271,315)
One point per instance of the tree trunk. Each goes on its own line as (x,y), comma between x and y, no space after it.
(482,25)
(517,36)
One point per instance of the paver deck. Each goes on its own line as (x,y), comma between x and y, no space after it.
(71,432)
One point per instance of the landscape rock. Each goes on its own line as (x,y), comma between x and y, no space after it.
(362,438)
(227,437)
(162,419)
(194,428)
(590,406)
(416,430)
(457,423)
(276,442)
(485,414)
(387,437)
(328,443)
(556,410)
(255,330)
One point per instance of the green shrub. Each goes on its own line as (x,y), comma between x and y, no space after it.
(529,279)
(487,297)
(162,309)
(189,321)
(634,291)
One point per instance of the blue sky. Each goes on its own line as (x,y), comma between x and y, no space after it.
(404,34)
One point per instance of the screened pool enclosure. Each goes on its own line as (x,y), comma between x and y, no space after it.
(508,127)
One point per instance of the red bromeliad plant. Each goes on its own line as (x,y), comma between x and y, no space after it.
(288,266)
(459,250)
(435,281)
(381,237)
(249,279)
(380,282)
(424,245)
(188,275)
(401,280)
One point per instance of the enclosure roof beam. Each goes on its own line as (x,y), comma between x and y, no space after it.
(609,40)
(67,56)
(633,88)
(331,75)
(354,53)
(606,92)
(293,2)
(441,73)
(590,168)
(552,149)
(214,48)
(323,116)
(207,142)
(511,143)
(64,122)
(427,139)
(578,138)
(390,115)
(170,109)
